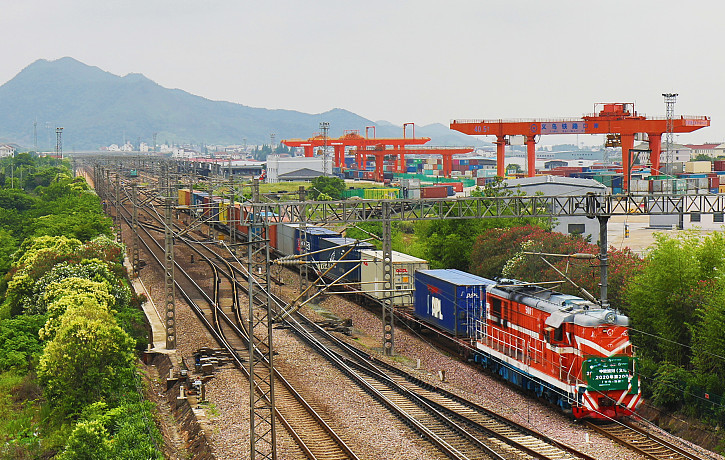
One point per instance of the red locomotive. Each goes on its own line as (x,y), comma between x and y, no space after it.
(566,349)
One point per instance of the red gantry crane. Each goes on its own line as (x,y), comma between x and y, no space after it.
(613,118)
(352,139)
(361,147)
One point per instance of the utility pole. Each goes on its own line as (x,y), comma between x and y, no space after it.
(262,426)
(169,274)
(117,203)
(670,99)
(303,242)
(230,210)
(58,143)
(134,229)
(388,313)
(324,126)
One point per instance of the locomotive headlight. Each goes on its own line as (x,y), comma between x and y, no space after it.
(610,317)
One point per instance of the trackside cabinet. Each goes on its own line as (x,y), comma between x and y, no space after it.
(451,300)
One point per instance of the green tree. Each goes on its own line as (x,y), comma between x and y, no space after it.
(20,345)
(88,441)
(498,252)
(680,278)
(35,257)
(90,358)
(327,185)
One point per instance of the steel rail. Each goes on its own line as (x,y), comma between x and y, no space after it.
(238,360)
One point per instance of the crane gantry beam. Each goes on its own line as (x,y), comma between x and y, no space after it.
(613,118)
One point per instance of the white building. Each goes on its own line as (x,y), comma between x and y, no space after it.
(679,153)
(6,151)
(277,166)
(709,149)
(563,186)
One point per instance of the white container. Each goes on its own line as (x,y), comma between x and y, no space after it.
(698,167)
(404,267)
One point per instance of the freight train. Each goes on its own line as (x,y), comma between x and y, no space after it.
(568,350)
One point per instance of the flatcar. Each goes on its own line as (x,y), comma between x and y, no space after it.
(566,349)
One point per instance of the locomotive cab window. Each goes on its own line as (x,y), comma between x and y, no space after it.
(496,309)
(553,335)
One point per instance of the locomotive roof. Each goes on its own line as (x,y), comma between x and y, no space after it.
(564,308)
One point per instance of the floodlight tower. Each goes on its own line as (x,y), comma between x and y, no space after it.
(324,126)
(58,143)
(670,99)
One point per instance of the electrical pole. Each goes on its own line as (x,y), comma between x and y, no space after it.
(117,203)
(262,426)
(230,210)
(58,143)
(387,256)
(303,242)
(670,99)
(324,126)
(134,229)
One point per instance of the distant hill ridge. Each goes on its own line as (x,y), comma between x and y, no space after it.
(97,108)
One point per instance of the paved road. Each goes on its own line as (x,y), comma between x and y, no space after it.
(641,236)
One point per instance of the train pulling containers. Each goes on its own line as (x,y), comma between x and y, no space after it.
(566,349)
(450,300)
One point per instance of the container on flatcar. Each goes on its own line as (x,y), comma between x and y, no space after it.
(199,199)
(269,233)
(434,191)
(184,197)
(224,211)
(288,238)
(381,193)
(404,268)
(451,300)
(211,207)
(335,249)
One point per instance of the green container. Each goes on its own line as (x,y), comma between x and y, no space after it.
(381,193)
(359,192)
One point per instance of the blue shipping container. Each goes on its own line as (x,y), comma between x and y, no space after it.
(313,235)
(450,299)
(337,247)
(197,198)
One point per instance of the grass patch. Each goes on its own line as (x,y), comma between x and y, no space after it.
(24,430)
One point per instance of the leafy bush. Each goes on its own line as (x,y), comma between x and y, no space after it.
(90,359)
(20,345)
(498,252)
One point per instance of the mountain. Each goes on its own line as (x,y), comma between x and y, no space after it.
(97,108)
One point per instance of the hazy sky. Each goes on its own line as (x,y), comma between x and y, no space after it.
(418,61)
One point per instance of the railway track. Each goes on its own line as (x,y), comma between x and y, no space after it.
(643,442)
(455,435)
(457,427)
(505,437)
(223,317)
